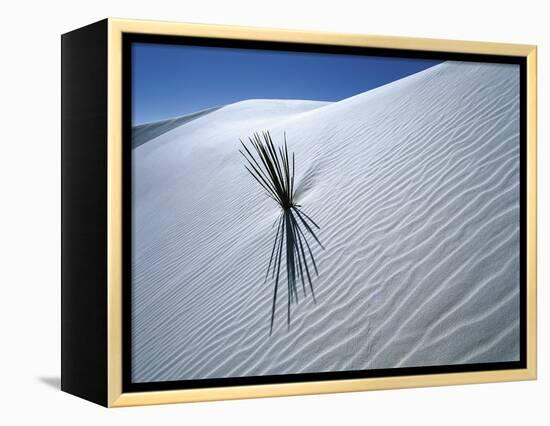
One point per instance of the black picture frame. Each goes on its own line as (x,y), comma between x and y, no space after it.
(96,212)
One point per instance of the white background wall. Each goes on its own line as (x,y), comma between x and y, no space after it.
(30,211)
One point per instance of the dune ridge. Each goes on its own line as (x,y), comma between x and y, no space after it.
(415,187)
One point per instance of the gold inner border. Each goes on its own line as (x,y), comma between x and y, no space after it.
(116,398)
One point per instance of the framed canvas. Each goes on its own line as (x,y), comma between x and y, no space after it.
(255,212)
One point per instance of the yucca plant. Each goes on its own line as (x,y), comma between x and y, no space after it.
(274,170)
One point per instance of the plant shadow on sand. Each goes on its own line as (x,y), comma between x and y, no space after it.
(274,170)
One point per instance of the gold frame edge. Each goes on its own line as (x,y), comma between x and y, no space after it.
(116,398)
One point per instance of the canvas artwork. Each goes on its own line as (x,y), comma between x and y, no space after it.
(300,212)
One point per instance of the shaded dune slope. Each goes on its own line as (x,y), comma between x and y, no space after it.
(145,132)
(415,187)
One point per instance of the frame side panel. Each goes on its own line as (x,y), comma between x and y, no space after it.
(83,212)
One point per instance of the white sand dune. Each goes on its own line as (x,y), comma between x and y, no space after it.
(415,187)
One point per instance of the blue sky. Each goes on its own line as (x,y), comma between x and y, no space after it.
(173,80)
